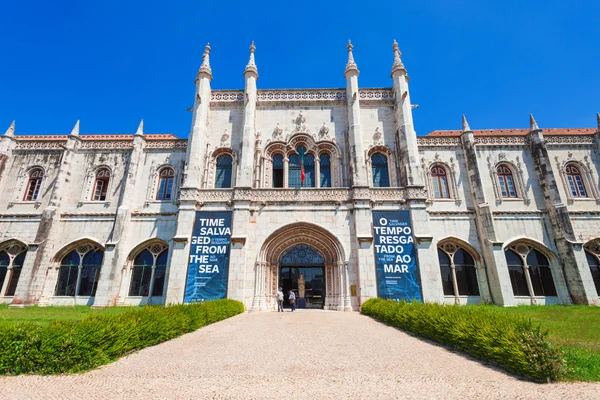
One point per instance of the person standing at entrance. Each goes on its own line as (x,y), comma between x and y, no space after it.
(292,299)
(279,296)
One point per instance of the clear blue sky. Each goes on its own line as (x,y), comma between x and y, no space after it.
(110,63)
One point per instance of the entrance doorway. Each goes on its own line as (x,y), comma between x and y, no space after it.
(302,270)
(307,283)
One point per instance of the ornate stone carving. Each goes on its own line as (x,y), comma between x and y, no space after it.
(277,132)
(324,132)
(225,139)
(519,179)
(377,137)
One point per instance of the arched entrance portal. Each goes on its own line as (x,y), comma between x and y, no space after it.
(302,270)
(296,246)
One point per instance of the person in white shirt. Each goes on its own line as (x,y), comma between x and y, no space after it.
(292,298)
(279,296)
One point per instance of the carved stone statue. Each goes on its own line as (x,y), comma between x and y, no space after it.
(301,286)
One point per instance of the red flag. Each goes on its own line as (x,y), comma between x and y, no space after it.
(302,174)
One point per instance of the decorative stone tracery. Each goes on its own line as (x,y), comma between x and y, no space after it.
(587,175)
(388,153)
(209,181)
(300,137)
(450,168)
(516,169)
(337,292)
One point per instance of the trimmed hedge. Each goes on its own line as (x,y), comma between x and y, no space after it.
(68,347)
(509,341)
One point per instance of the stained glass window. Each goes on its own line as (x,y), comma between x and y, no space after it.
(302,254)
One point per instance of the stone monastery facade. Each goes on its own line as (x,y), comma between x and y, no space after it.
(505,216)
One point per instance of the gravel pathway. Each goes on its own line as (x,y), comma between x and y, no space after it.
(306,354)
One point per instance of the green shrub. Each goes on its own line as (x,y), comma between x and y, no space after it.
(67,346)
(509,341)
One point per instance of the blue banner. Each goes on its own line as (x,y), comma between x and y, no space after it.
(395,258)
(208,267)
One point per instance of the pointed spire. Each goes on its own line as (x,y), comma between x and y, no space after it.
(350,65)
(398,65)
(465,124)
(140,129)
(251,66)
(533,126)
(11,130)
(597,118)
(75,131)
(205,67)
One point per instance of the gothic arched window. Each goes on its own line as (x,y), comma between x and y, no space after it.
(34,184)
(295,168)
(457,265)
(506,181)
(277,171)
(166,177)
(592,253)
(439,179)
(79,272)
(523,260)
(575,180)
(11,265)
(309,171)
(148,271)
(379,165)
(223,173)
(101,184)
(325,170)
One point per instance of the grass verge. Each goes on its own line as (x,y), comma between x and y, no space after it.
(512,342)
(575,330)
(45,315)
(68,346)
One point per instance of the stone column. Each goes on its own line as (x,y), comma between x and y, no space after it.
(347,299)
(492,251)
(178,264)
(257,279)
(357,154)
(244,178)
(577,273)
(108,286)
(34,277)
(341,284)
(408,153)
(199,132)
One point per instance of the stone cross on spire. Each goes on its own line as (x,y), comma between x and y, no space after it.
(398,64)
(350,65)
(205,67)
(251,67)
(11,130)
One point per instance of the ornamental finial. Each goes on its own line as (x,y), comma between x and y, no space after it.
(398,65)
(251,67)
(533,126)
(205,67)
(11,130)
(597,118)
(465,124)
(75,131)
(140,129)
(350,65)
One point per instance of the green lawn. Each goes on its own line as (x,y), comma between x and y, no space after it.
(576,330)
(45,315)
